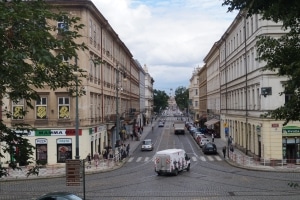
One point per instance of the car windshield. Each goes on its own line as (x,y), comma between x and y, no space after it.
(209,145)
(146,142)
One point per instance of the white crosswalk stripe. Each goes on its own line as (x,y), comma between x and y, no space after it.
(202,158)
(218,158)
(208,158)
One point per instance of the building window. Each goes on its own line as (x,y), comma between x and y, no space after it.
(18,109)
(41,108)
(62,25)
(63,108)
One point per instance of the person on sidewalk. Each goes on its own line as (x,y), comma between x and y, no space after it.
(213,137)
(89,160)
(96,158)
(127,149)
(224,151)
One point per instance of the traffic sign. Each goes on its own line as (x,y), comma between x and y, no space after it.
(73,168)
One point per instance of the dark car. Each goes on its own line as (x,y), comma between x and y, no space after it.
(209,148)
(59,196)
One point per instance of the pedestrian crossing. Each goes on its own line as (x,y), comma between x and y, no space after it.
(211,158)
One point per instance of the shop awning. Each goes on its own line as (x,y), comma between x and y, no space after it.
(210,122)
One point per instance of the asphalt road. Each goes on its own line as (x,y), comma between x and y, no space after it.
(210,177)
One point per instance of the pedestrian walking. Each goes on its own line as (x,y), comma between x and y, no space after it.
(89,160)
(212,137)
(224,151)
(231,148)
(96,158)
(127,149)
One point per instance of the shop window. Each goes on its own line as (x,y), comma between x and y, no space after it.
(63,107)
(41,108)
(41,151)
(64,150)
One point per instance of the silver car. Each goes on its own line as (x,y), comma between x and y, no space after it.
(147,145)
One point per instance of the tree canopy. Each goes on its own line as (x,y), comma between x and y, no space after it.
(182,97)
(160,99)
(36,39)
(282,54)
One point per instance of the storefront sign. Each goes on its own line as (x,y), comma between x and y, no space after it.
(58,132)
(41,141)
(72,132)
(43,133)
(64,141)
(66,132)
(290,129)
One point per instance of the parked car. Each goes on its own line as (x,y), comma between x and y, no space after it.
(209,148)
(59,196)
(203,141)
(147,145)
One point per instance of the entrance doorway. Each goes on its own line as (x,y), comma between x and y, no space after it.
(291,153)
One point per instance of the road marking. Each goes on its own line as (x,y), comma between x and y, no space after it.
(210,158)
(202,158)
(146,159)
(194,158)
(218,158)
(138,159)
(130,159)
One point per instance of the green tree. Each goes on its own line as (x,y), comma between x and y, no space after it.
(182,97)
(160,99)
(31,56)
(282,54)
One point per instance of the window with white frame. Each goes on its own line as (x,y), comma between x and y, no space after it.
(41,108)
(62,24)
(63,107)
(18,109)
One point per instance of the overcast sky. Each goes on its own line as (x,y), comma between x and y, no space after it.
(171,37)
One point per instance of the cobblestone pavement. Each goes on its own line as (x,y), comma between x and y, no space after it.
(236,159)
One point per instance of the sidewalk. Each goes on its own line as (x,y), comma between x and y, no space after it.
(239,159)
(59,170)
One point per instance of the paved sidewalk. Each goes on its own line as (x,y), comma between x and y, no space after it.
(239,159)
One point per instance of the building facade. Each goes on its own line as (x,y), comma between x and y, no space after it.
(194,95)
(108,96)
(247,92)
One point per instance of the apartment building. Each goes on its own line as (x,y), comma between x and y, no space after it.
(194,95)
(108,95)
(149,103)
(247,92)
(213,90)
(202,74)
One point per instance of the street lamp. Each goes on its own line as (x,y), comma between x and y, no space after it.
(77,118)
(117,129)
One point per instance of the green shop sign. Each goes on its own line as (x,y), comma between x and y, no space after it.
(43,133)
(291,130)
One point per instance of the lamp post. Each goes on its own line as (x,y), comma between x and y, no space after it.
(117,113)
(77,122)
(76,116)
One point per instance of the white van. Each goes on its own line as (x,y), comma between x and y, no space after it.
(171,161)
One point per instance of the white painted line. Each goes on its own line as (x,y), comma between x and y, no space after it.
(202,158)
(130,159)
(138,159)
(218,158)
(210,158)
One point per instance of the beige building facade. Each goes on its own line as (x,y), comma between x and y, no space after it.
(247,92)
(107,95)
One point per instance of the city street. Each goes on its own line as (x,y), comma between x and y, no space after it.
(210,177)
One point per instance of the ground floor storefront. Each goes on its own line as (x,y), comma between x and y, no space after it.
(266,140)
(54,146)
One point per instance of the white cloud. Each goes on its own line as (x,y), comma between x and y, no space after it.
(170,36)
